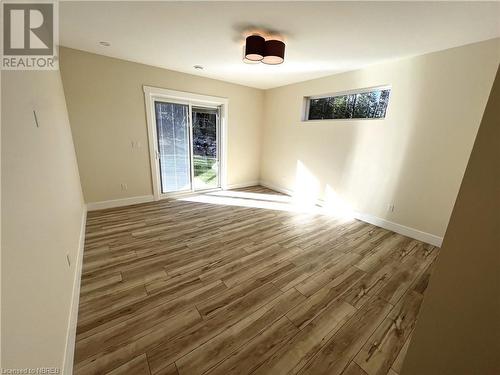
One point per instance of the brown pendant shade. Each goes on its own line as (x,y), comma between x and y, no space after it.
(274,52)
(254,48)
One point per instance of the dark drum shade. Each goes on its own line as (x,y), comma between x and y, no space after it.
(254,49)
(274,52)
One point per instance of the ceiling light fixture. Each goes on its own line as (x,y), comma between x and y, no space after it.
(274,52)
(257,49)
(254,48)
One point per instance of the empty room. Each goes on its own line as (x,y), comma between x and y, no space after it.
(257,187)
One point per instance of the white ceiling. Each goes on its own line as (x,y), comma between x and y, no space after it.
(322,38)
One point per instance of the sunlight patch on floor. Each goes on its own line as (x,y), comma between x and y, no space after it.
(266,201)
(249,195)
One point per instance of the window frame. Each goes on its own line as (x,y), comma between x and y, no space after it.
(307,102)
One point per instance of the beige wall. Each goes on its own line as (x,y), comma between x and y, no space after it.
(457,332)
(42,211)
(415,158)
(106,107)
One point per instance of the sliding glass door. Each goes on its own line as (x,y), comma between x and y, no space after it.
(187,140)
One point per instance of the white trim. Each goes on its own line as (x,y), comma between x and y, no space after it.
(152,93)
(92,206)
(383,223)
(183,95)
(323,121)
(401,229)
(153,152)
(350,92)
(242,185)
(273,186)
(75,298)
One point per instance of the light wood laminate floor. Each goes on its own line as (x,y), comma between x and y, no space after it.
(245,284)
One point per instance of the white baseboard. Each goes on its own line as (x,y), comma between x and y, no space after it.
(401,229)
(379,222)
(275,187)
(93,206)
(242,185)
(75,298)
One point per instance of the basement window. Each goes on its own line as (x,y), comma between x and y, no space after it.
(360,104)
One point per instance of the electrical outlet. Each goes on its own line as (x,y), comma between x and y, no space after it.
(124,187)
(68,260)
(390,207)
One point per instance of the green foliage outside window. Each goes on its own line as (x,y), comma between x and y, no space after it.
(371,104)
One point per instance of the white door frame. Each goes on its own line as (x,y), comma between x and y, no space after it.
(154,93)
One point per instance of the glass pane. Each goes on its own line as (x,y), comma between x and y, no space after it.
(206,167)
(321,108)
(363,104)
(173,146)
(370,104)
(382,104)
(342,106)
